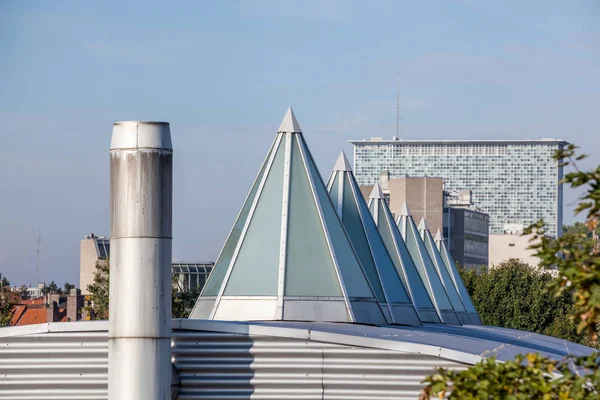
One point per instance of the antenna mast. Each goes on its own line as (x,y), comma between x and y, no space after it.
(397,105)
(38,251)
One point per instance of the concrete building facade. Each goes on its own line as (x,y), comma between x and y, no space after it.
(514,181)
(92,250)
(512,244)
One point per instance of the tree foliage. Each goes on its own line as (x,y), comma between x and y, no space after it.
(98,306)
(578,228)
(576,258)
(514,295)
(6,301)
(527,377)
(183,300)
(68,286)
(52,288)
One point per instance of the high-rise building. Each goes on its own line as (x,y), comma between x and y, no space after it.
(514,181)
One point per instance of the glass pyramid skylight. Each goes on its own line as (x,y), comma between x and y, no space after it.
(458,282)
(288,256)
(426,268)
(370,249)
(438,263)
(403,262)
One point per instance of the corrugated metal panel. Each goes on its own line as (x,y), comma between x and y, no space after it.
(52,366)
(232,366)
(73,365)
(268,360)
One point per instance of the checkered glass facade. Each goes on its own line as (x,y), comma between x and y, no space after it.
(513,181)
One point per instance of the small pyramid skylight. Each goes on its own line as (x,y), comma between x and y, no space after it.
(443,274)
(368,245)
(403,262)
(426,268)
(458,282)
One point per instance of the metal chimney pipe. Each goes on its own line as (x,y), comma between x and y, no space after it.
(139,344)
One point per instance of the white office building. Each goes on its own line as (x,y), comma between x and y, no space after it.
(514,181)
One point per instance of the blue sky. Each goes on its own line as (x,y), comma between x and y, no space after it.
(223,74)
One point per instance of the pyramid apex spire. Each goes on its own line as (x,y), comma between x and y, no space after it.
(438,236)
(342,163)
(423,225)
(376,193)
(404,210)
(289,123)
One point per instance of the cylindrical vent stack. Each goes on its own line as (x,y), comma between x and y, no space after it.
(141,169)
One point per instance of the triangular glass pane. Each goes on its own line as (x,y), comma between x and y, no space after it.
(256,269)
(403,261)
(462,290)
(443,273)
(432,281)
(354,279)
(354,227)
(394,288)
(215,280)
(309,267)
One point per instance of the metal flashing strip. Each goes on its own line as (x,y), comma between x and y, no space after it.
(284,223)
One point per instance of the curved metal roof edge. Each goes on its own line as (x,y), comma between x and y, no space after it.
(260,329)
(308,333)
(468,341)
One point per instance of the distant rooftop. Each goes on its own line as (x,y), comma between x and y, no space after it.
(441,141)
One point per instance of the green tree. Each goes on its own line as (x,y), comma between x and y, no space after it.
(530,377)
(577,228)
(183,300)
(68,286)
(514,295)
(97,308)
(7,302)
(51,288)
(576,258)
(3,281)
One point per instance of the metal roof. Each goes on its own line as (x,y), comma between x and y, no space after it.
(261,360)
(465,344)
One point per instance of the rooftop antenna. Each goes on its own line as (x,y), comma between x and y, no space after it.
(38,250)
(397,105)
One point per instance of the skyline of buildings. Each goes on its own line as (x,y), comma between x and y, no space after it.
(514,181)
(463,227)
(523,205)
